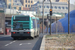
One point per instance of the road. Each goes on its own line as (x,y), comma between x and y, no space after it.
(7,43)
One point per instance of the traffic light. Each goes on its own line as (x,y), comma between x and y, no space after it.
(50,11)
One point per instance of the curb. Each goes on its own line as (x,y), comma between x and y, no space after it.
(43,43)
(2,36)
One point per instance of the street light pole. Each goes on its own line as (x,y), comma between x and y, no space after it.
(50,15)
(43,17)
(68,16)
(4,18)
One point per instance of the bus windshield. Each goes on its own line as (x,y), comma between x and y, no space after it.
(21,18)
(18,26)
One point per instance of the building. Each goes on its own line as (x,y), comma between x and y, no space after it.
(63,0)
(2,5)
(35,7)
(60,8)
(2,22)
(14,4)
(27,3)
(55,0)
(18,4)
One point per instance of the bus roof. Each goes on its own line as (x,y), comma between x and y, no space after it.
(27,14)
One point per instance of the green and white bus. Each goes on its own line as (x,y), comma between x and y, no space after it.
(24,25)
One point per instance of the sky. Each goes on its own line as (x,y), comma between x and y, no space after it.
(72,1)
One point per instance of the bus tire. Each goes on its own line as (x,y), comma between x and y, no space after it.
(32,37)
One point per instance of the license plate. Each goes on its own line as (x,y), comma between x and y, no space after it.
(21,32)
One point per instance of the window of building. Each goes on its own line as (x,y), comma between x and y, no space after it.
(26,1)
(66,7)
(47,6)
(44,6)
(17,4)
(19,8)
(9,6)
(25,5)
(28,5)
(14,7)
(59,7)
(31,1)
(62,7)
(55,7)
(40,6)
(57,0)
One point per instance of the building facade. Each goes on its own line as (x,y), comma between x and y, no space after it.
(63,0)
(27,3)
(57,7)
(2,22)
(55,0)
(2,5)
(60,8)
(18,4)
(14,4)
(35,7)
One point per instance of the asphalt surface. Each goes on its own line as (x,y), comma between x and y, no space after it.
(7,43)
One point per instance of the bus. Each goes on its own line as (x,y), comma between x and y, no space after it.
(24,25)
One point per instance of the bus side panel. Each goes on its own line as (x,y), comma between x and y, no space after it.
(38,26)
(31,27)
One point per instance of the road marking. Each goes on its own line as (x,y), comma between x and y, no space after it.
(14,41)
(29,43)
(10,43)
(20,44)
(6,44)
(24,43)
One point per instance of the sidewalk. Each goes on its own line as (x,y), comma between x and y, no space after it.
(1,36)
(42,47)
(41,34)
(58,41)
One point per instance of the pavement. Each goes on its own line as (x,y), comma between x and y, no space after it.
(7,43)
(42,47)
(2,36)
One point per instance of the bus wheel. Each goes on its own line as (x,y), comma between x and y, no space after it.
(32,37)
